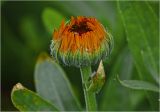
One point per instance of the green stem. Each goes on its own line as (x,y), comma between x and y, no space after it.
(90,98)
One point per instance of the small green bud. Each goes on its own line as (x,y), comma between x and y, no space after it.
(97,79)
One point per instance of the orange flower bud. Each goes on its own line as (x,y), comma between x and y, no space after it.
(81,42)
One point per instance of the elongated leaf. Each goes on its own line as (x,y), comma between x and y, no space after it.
(31,34)
(53,85)
(114,92)
(51,19)
(141,26)
(150,68)
(139,85)
(26,100)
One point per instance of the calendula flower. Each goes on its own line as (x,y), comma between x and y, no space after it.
(81,42)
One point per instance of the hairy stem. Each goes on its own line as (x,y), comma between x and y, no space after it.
(90,98)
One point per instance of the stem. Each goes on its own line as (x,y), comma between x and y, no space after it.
(90,98)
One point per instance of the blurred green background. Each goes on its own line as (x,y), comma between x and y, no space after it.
(27,28)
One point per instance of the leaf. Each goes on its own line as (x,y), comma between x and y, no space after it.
(139,85)
(51,19)
(31,33)
(150,68)
(113,91)
(53,85)
(141,26)
(26,100)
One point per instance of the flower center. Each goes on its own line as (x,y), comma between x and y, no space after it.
(80,28)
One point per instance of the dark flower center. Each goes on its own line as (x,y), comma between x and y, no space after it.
(80,28)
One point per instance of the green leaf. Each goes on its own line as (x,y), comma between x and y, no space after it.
(52,84)
(31,33)
(150,68)
(141,26)
(26,100)
(113,91)
(139,85)
(51,19)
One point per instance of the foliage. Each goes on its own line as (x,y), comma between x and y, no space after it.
(52,84)
(135,58)
(26,100)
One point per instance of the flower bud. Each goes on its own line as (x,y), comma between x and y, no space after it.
(80,42)
(97,79)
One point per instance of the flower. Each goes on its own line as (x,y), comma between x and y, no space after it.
(80,42)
